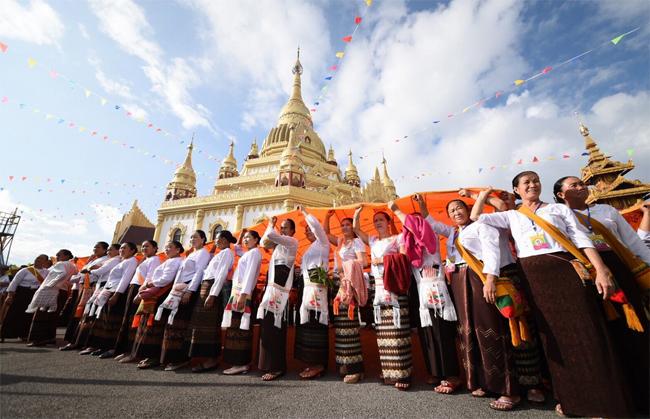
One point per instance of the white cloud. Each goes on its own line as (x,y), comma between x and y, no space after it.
(126,23)
(36,22)
(107,217)
(254,44)
(43,232)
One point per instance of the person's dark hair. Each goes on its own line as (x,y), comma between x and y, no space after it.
(515,180)
(153,243)
(557,188)
(351,222)
(385,214)
(255,235)
(103,245)
(460,201)
(131,246)
(227,235)
(115,246)
(178,245)
(291,223)
(202,235)
(67,253)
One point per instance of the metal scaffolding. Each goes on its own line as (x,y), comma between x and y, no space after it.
(8,226)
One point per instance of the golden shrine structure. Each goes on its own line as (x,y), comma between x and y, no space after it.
(293,167)
(606,179)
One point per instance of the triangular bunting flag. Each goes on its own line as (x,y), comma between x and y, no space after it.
(520,161)
(87,92)
(546,70)
(368,3)
(616,40)
(357,20)
(333,68)
(328,78)
(340,54)
(4,47)
(31,63)
(584,153)
(630,152)
(347,38)
(566,156)
(535,160)
(519,82)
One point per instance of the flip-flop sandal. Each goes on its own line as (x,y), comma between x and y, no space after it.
(446,387)
(309,373)
(272,376)
(145,365)
(479,393)
(402,386)
(503,404)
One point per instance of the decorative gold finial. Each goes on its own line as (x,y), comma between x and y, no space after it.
(584,130)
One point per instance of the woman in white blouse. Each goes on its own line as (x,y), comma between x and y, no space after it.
(238,343)
(148,338)
(587,377)
(312,332)
(350,250)
(175,346)
(143,273)
(631,344)
(21,289)
(98,275)
(110,304)
(391,310)
(485,356)
(208,310)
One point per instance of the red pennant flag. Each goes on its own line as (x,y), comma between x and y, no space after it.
(150,125)
(497,94)
(23,178)
(535,160)
(357,20)
(520,161)
(565,156)
(547,69)
(333,68)
(11,178)
(347,38)
(3,47)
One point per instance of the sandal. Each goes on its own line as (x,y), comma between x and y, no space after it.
(309,373)
(127,359)
(242,369)
(353,378)
(535,395)
(504,403)
(402,386)
(559,411)
(447,387)
(270,376)
(174,367)
(479,392)
(145,364)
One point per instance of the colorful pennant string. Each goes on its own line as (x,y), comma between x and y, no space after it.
(339,56)
(514,86)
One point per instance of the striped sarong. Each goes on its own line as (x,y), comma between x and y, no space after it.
(394,344)
(206,325)
(349,359)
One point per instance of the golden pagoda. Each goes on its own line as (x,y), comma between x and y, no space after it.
(133,227)
(607,180)
(292,167)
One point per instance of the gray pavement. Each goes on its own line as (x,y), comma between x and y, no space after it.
(47,383)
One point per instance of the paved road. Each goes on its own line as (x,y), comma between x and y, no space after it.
(46,383)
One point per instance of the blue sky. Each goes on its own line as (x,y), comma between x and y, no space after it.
(221,70)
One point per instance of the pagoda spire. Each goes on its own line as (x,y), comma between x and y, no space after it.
(183,184)
(295,111)
(228,167)
(351,172)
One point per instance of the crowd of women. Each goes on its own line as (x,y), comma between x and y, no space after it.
(531,296)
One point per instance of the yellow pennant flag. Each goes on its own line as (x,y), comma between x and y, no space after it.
(82,129)
(368,3)
(103,101)
(519,82)
(49,116)
(87,92)
(340,54)
(31,63)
